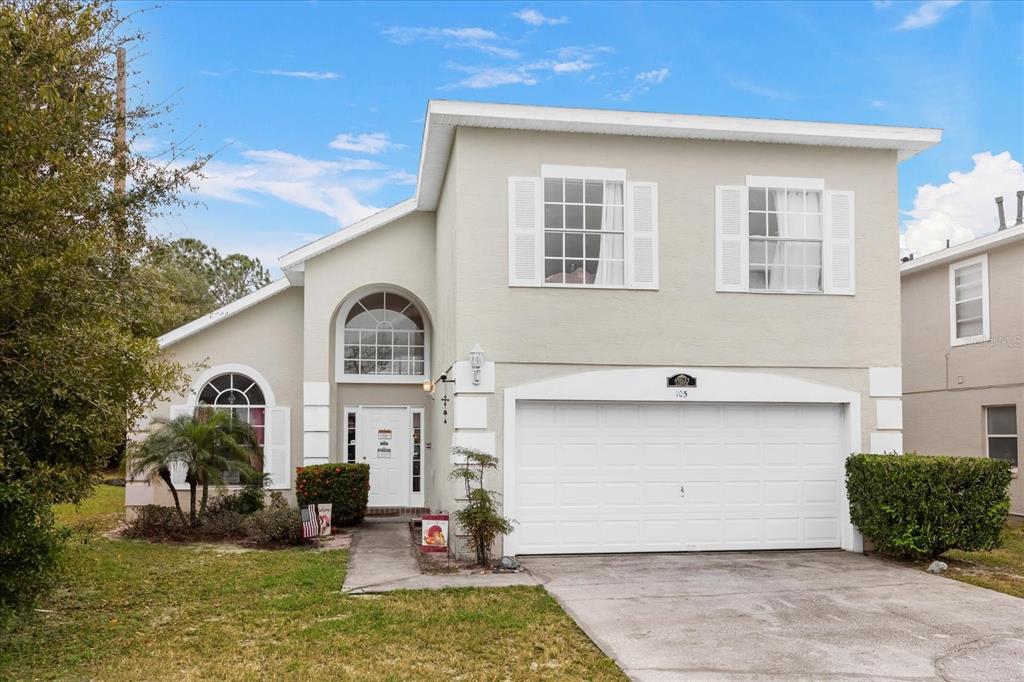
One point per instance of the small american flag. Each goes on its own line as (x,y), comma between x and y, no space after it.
(310,522)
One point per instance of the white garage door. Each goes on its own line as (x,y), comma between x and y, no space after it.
(657,477)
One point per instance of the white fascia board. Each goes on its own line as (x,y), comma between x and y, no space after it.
(443,116)
(965,250)
(222,313)
(291,260)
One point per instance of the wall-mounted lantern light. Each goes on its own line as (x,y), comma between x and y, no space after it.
(430,386)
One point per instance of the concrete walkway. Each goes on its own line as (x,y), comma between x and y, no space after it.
(826,615)
(382,558)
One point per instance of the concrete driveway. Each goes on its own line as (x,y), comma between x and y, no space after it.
(823,615)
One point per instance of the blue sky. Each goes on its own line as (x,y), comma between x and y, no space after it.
(314,111)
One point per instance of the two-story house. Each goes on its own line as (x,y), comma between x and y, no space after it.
(671,330)
(963,350)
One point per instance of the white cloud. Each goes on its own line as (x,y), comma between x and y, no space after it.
(317,184)
(473,38)
(535,18)
(881,4)
(484,77)
(642,84)
(655,76)
(574,66)
(927,14)
(878,104)
(759,89)
(308,75)
(964,207)
(366,143)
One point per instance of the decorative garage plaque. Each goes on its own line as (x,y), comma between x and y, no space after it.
(682,380)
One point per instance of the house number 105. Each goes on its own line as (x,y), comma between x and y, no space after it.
(682,393)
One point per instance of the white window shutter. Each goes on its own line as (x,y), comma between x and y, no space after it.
(177,469)
(277,459)
(525,232)
(839,243)
(642,235)
(731,247)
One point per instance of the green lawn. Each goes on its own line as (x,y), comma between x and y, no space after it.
(141,611)
(1001,569)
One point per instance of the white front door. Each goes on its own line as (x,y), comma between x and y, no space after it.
(384,444)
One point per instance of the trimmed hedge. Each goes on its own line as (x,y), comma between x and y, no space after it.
(345,486)
(917,507)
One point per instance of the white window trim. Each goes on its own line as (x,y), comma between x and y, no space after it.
(985,318)
(780,182)
(339,341)
(989,436)
(786,183)
(343,455)
(587,173)
(269,401)
(416,498)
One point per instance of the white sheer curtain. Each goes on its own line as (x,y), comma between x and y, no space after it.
(776,261)
(610,267)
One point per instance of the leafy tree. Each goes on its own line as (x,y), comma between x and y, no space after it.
(480,517)
(194,279)
(207,444)
(78,364)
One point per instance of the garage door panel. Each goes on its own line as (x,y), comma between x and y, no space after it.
(607,477)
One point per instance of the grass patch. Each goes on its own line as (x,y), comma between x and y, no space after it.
(1000,569)
(130,610)
(100,512)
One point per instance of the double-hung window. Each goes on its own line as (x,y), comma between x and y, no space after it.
(785,239)
(1001,433)
(582,227)
(968,301)
(584,232)
(784,235)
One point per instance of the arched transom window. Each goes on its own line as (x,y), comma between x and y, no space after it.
(384,336)
(241,395)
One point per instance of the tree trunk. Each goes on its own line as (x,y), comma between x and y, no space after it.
(206,494)
(165,476)
(192,501)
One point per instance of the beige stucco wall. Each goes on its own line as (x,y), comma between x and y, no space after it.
(445,494)
(685,321)
(946,388)
(398,254)
(266,337)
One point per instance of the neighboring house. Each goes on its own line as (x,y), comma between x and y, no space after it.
(963,350)
(671,330)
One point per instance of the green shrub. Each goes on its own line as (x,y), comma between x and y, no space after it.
(156,522)
(918,507)
(30,546)
(345,486)
(275,524)
(245,501)
(226,524)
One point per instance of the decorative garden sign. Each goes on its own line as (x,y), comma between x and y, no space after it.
(434,533)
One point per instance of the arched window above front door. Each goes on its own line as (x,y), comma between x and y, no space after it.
(385,339)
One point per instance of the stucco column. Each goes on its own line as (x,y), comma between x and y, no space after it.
(316,386)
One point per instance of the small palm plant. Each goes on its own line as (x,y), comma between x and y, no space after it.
(480,517)
(208,444)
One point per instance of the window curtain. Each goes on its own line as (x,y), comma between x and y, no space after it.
(612,253)
(776,261)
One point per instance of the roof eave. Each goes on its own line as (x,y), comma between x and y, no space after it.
(220,314)
(964,250)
